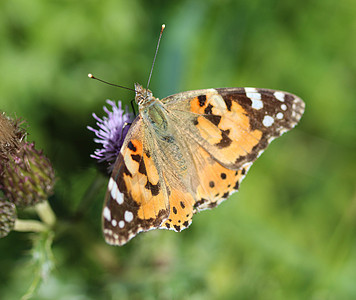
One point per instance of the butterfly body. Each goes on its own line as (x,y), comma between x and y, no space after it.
(188,152)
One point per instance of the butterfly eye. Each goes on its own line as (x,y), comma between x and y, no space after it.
(140,99)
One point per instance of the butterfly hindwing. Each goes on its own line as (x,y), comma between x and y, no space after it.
(181,210)
(216,183)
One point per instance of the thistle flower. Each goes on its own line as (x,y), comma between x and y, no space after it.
(28,177)
(111,133)
(7,217)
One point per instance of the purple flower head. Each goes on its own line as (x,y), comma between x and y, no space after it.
(111,133)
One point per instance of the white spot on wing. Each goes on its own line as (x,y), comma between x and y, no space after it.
(255,97)
(121,224)
(279,116)
(111,182)
(107,213)
(279,96)
(128,216)
(113,190)
(119,197)
(268,121)
(256,104)
(113,222)
(284,107)
(250,90)
(107,231)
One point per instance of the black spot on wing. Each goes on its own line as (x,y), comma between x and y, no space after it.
(202,100)
(208,109)
(136,157)
(214,119)
(212,204)
(228,103)
(142,167)
(154,188)
(225,140)
(131,146)
(200,202)
(225,195)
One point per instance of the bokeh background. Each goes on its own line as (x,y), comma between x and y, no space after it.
(288,234)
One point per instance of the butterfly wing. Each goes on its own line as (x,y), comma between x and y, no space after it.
(234,125)
(225,131)
(136,198)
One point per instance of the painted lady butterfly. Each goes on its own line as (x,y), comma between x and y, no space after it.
(189,152)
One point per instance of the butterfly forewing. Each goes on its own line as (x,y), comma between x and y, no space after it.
(235,124)
(136,198)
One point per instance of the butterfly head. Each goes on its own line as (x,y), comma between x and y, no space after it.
(143,95)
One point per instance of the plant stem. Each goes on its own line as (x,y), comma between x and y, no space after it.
(46,213)
(30,225)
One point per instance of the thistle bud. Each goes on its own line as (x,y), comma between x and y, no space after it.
(11,135)
(28,177)
(7,217)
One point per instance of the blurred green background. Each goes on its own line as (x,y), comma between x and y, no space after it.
(290,233)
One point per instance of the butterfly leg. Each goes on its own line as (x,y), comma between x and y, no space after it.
(133,106)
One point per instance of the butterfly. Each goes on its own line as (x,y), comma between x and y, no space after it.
(189,152)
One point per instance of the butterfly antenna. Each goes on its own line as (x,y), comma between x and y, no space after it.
(123,87)
(154,59)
